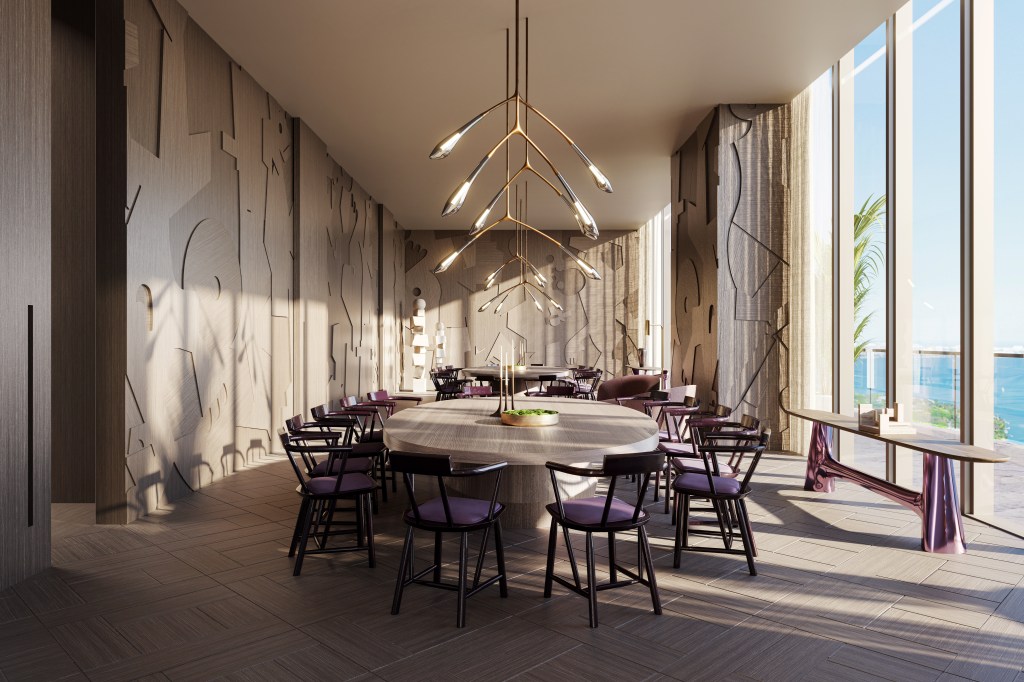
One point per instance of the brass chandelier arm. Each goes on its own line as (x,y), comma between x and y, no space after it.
(447,145)
(458,197)
(599,178)
(550,300)
(491,277)
(588,269)
(580,212)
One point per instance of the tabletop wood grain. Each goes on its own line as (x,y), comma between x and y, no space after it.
(586,431)
(922,443)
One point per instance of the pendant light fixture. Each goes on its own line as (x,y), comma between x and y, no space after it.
(519,127)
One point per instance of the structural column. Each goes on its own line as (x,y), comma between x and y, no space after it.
(842,249)
(977,173)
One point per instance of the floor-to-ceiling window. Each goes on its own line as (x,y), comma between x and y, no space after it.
(1008,238)
(928,163)
(928,63)
(867,87)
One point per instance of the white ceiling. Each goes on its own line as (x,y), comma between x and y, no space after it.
(382,81)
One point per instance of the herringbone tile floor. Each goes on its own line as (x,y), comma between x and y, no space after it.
(204,590)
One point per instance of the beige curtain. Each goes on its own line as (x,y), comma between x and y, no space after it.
(810,250)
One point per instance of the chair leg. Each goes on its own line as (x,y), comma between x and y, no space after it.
(499,551)
(437,557)
(653,583)
(298,525)
(367,503)
(327,522)
(460,620)
(657,484)
(383,476)
(748,545)
(310,511)
(480,556)
(668,481)
(591,580)
(679,531)
(403,571)
(572,557)
(614,576)
(552,542)
(360,524)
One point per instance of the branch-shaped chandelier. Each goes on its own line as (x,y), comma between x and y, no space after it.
(521,257)
(519,128)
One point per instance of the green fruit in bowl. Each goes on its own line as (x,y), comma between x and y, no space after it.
(521,413)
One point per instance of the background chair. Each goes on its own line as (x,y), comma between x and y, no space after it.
(477,392)
(603,514)
(587,381)
(446,383)
(383,395)
(726,494)
(320,496)
(447,514)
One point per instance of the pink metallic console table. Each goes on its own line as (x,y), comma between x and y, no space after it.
(938,504)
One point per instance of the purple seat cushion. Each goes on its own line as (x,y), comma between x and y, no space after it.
(360,464)
(466,511)
(350,483)
(691,464)
(588,511)
(684,449)
(692,482)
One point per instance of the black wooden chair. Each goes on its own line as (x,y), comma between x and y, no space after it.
(727,495)
(448,514)
(320,497)
(604,514)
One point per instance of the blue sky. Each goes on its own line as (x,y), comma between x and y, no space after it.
(936,171)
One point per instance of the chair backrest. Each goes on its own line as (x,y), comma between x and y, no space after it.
(327,419)
(708,449)
(477,391)
(378,395)
(560,389)
(628,464)
(299,450)
(294,423)
(439,467)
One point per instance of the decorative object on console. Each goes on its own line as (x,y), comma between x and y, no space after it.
(419,345)
(519,128)
(884,422)
(439,344)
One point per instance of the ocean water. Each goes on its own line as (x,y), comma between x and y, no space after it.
(937,378)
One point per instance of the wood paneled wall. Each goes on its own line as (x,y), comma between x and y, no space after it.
(74,248)
(25,223)
(253,265)
(730,310)
(598,326)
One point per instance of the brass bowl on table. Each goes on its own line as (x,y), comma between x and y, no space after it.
(529,417)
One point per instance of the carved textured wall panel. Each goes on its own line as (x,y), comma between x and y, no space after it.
(695,260)
(392,300)
(729,252)
(598,326)
(338,327)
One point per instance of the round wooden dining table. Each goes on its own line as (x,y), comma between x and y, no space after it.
(465,429)
(521,374)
